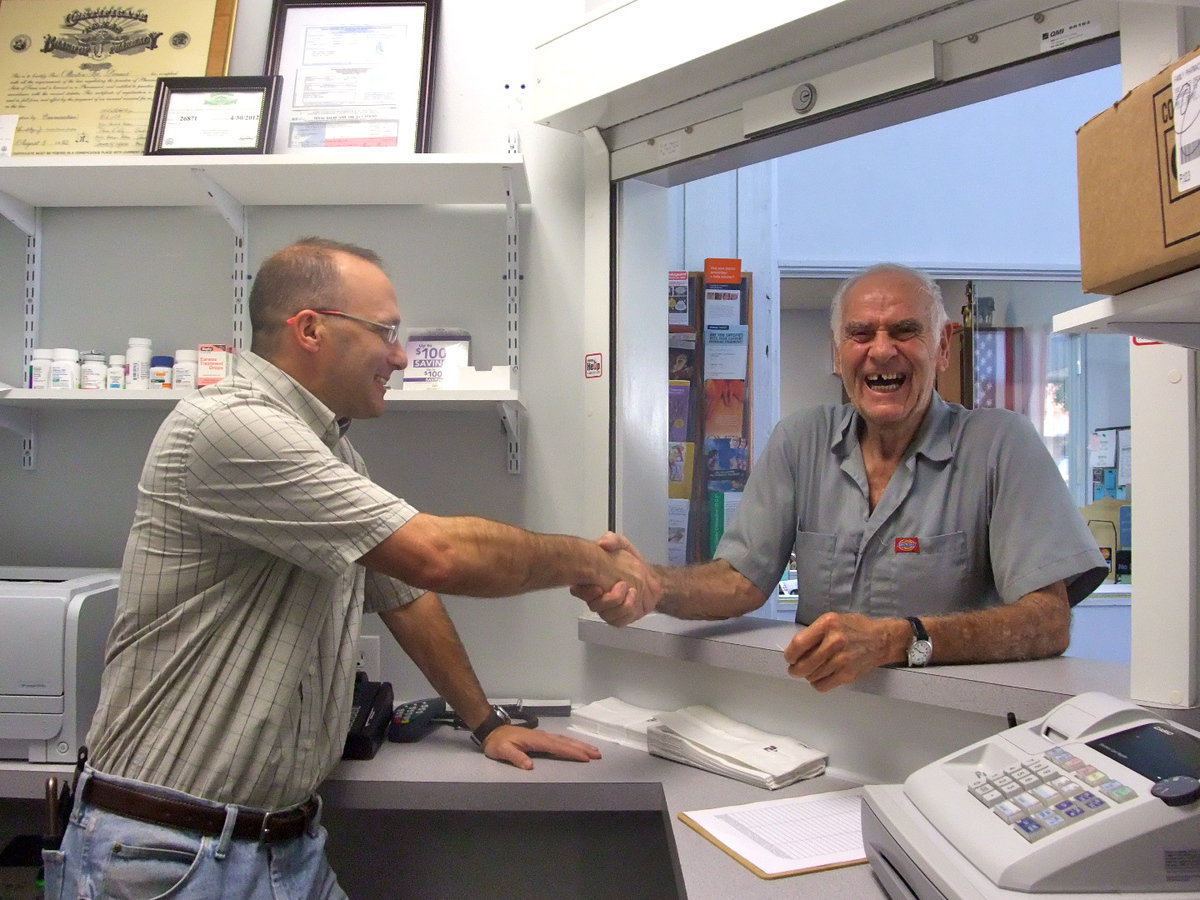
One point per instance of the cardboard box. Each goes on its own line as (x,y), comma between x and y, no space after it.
(214,362)
(1136,225)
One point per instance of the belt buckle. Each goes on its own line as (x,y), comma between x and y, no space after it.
(264,833)
(304,811)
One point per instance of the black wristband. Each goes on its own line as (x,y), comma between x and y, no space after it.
(495,719)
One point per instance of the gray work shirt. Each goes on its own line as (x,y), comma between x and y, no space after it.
(229,670)
(976,515)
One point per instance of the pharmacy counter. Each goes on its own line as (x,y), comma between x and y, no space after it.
(752,646)
(627,790)
(436,818)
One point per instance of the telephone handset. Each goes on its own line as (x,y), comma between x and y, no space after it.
(368,719)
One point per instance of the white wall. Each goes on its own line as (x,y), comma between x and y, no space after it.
(805,356)
(165,273)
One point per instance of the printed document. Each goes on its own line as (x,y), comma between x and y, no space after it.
(774,838)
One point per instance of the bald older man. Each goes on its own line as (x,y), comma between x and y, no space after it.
(923,532)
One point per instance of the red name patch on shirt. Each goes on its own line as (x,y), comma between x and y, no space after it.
(908,545)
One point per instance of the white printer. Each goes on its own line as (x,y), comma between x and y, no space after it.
(54,623)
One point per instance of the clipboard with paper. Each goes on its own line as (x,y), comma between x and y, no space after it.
(790,836)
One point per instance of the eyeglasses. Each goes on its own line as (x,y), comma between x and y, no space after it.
(390,333)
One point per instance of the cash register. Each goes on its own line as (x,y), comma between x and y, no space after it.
(1098,798)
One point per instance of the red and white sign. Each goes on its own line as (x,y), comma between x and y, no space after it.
(593,365)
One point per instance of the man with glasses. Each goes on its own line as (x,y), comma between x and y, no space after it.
(922,532)
(258,542)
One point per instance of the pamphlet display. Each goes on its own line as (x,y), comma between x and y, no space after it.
(708,347)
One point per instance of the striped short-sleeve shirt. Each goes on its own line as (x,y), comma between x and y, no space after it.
(229,670)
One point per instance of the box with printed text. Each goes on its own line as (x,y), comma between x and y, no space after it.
(1139,170)
(213,363)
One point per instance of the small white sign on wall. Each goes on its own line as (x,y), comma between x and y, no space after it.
(1059,36)
(1185,97)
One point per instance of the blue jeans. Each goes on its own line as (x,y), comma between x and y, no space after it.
(106,855)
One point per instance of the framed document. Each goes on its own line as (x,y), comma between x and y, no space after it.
(213,115)
(355,74)
(81,78)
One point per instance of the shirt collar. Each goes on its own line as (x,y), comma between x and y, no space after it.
(933,440)
(294,395)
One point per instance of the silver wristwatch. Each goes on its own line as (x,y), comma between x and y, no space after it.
(920,648)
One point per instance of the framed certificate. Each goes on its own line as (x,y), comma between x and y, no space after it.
(355,74)
(81,77)
(213,115)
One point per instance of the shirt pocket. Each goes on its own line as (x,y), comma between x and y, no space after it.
(816,564)
(935,579)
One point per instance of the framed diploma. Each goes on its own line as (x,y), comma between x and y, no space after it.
(213,115)
(81,77)
(355,74)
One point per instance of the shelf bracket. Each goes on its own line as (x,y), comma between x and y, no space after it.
(510,415)
(29,220)
(230,208)
(20,213)
(512,271)
(22,422)
(234,213)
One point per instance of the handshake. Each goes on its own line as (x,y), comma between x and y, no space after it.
(632,589)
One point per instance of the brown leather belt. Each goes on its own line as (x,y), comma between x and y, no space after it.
(181,813)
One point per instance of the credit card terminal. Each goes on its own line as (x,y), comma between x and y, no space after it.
(1099,797)
(414,719)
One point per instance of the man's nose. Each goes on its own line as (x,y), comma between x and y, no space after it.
(882,343)
(398,357)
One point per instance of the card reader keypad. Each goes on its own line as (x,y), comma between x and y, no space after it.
(1045,794)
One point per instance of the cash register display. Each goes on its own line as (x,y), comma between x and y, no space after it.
(1153,751)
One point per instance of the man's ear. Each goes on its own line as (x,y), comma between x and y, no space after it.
(837,359)
(943,361)
(305,331)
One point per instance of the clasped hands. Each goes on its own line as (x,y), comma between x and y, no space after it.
(635,589)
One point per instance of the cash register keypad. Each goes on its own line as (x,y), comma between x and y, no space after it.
(1045,794)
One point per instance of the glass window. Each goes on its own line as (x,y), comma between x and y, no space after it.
(998,221)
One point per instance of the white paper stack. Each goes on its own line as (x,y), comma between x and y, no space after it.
(614,720)
(702,737)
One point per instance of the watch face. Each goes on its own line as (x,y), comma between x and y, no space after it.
(919,653)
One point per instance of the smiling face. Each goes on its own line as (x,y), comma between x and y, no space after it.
(888,352)
(362,360)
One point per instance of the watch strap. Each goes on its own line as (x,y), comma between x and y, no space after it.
(497,717)
(920,648)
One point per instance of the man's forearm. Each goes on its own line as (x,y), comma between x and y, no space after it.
(483,558)
(713,590)
(425,632)
(1034,627)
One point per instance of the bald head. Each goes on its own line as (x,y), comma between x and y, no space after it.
(923,286)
